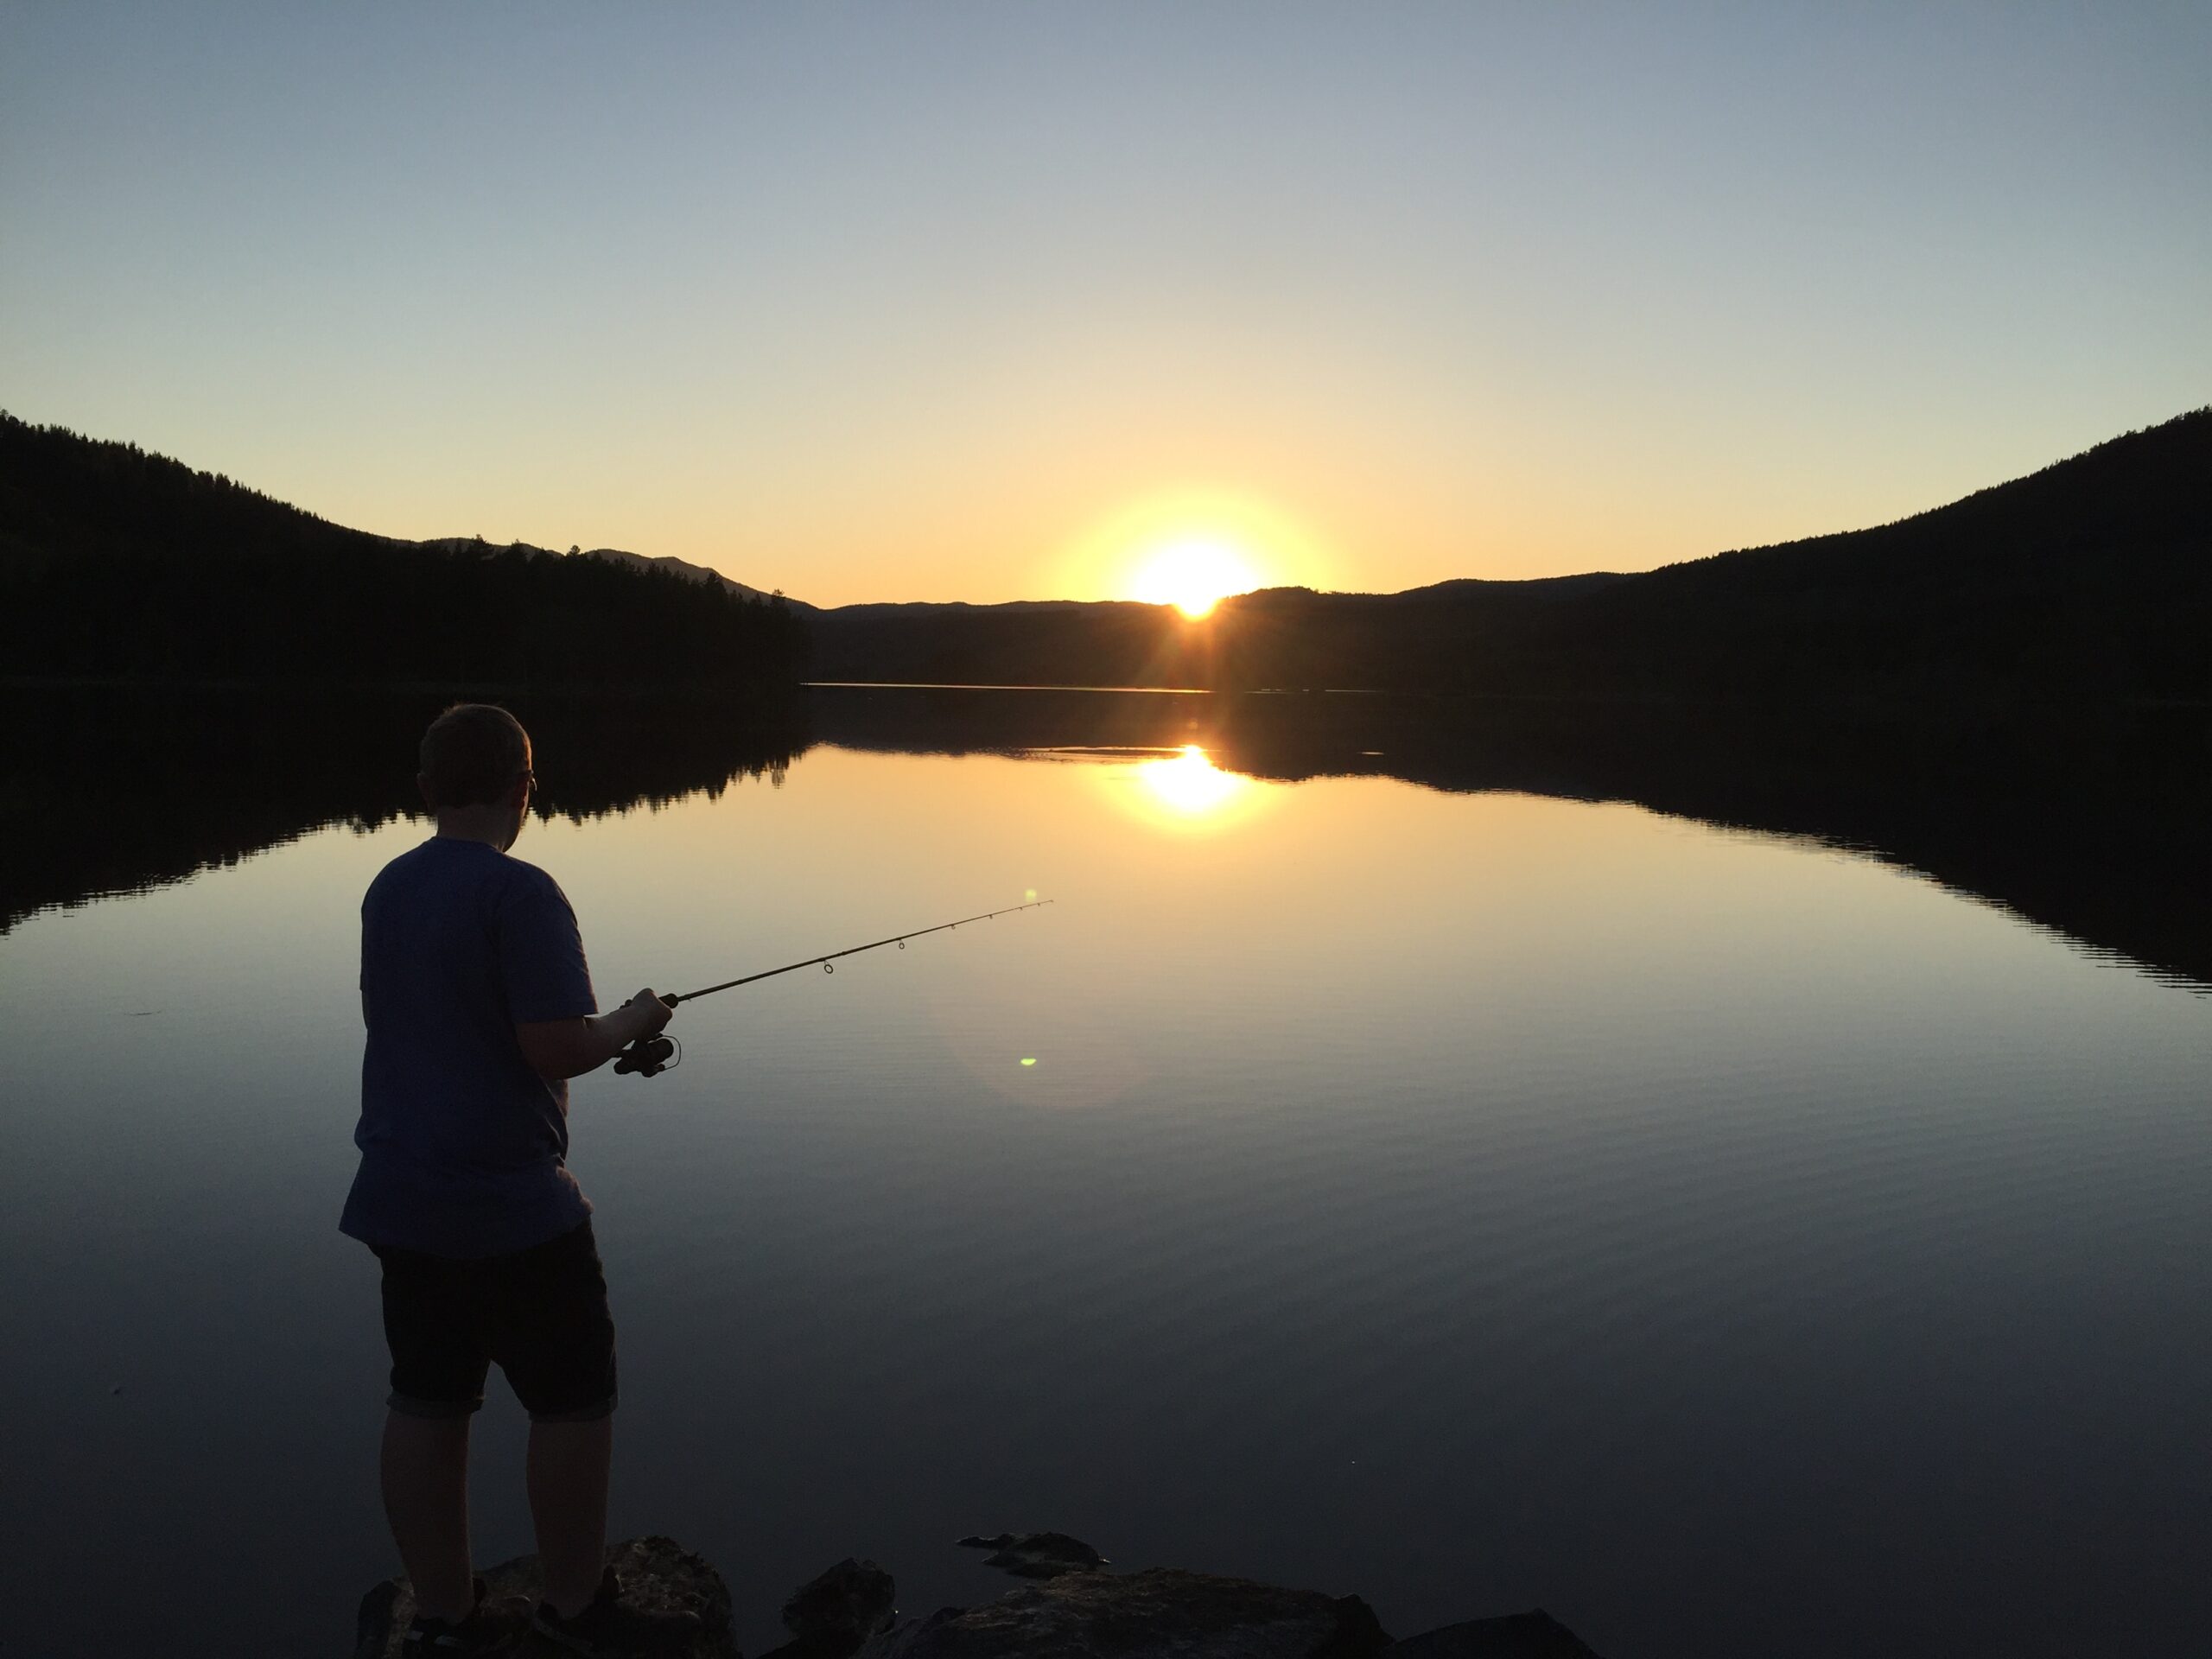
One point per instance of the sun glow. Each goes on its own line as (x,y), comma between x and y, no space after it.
(1191,549)
(1193,574)
(1190,785)
(1183,792)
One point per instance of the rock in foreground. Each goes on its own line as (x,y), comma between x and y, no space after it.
(1036,1554)
(655,1574)
(831,1615)
(846,1614)
(1102,1615)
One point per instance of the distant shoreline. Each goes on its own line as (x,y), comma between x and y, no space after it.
(955,685)
(752,694)
(1997,704)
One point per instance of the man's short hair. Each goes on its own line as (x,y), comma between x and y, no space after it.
(472,755)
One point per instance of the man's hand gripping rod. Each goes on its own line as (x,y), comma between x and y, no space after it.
(649,1057)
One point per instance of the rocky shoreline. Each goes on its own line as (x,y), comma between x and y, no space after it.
(1075,1607)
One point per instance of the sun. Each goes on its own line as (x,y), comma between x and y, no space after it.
(1191,547)
(1192,574)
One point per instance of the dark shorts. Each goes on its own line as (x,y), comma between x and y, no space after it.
(539,1314)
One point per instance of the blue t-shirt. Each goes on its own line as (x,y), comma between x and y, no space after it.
(463,1146)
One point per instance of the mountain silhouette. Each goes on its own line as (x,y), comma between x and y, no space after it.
(666,564)
(118,564)
(2088,581)
(2091,579)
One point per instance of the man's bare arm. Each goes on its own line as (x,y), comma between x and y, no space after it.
(568,1048)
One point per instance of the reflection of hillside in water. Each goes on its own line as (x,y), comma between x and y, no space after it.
(2093,825)
(2097,824)
(105,792)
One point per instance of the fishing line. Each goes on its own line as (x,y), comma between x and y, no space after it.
(650,1056)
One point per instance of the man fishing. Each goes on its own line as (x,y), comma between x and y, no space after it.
(479,1007)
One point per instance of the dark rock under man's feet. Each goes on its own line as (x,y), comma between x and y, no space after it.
(831,1616)
(1036,1554)
(846,1614)
(656,1575)
(1108,1616)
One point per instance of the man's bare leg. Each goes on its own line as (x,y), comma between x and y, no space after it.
(568,1501)
(425,1466)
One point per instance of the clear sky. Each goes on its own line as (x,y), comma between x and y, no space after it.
(956,301)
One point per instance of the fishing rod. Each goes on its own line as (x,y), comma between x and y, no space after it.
(650,1056)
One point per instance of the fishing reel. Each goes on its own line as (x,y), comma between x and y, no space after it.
(650,1055)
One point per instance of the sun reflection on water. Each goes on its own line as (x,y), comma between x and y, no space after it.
(1187,790)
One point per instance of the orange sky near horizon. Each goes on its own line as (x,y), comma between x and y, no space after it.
(1082,519)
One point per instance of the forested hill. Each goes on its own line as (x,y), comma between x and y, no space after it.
(2092,578)
(116,563)
(2089,580)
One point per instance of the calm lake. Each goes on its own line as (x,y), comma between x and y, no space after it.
(1748,1197)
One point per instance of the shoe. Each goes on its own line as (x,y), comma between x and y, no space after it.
(608,1629)
(493,1626)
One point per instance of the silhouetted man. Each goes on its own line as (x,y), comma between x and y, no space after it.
(479,1007)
